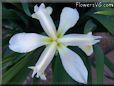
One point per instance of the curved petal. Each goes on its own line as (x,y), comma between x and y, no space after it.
(36,8)
(50,10)
(73,65)
(88,49)
(26,42)
(44,60)
(84,41)
(75,39)
(43,15)
(68,19)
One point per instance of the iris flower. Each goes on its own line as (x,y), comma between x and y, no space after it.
(56,40)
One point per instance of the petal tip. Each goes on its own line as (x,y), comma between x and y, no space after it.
(31,67)
(49,10)
(42,5)
(35,8)
(69,17)
(43,77)
(74,65)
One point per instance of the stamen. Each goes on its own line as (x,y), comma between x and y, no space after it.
(59,44)
(49,40)
(59,35)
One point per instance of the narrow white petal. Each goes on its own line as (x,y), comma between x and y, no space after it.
(44,60)
(73,65)
(35,8)
(68,19)
(26,42)
(34,72)
(83,41)
(75,39)
(43,15)
(46,56)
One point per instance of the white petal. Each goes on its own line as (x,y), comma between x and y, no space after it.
(31,67)
(43,15)
(75,39)
(35,8)
(26,42)
(49,9)
(42,6)
(84,41)
(44,60)
(73,65)
(34,15)
(43,77)
(68,19)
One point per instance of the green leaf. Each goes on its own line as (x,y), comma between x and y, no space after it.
(25,71)
(9,57)
(20,77)
(9,14)
(26,9)
(59,74)
(106,21)
(106,12)
(6,41)
(109,64)
(11,60)
(99,64)
(6,52)
(89,63)
(89,26)
(15,69)
(12,14)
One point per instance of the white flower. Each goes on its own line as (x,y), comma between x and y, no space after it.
(56,40)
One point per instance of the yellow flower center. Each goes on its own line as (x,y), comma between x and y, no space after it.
(50,40)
